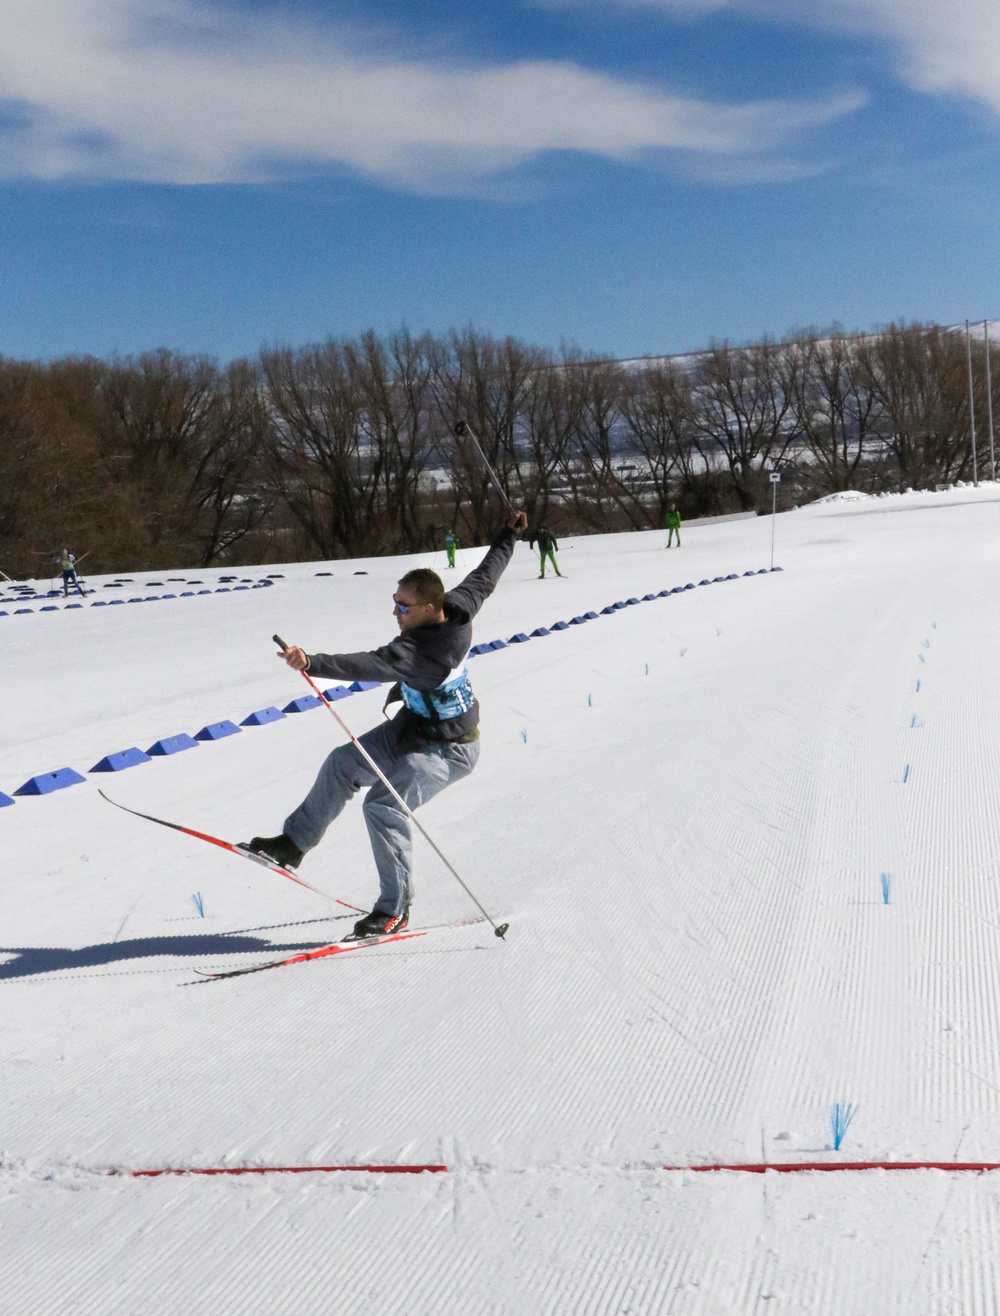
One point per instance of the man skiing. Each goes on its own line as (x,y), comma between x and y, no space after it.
(450,544)
(67,564)
(430,743)
(547,545)
(673,525)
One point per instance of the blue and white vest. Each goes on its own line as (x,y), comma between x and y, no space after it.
(451,698)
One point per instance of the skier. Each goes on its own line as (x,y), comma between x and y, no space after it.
(673,525)
(430,743)
(547,545)
(67,563)
(450,544)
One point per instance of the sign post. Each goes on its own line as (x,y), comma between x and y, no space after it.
(775,481)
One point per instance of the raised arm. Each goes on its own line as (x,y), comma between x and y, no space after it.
(479,584)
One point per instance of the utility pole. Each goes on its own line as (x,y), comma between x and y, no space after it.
(972,405)
(989,400)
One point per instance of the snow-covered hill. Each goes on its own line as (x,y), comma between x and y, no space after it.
(685,809)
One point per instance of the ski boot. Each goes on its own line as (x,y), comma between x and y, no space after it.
(378,925)
(281,850)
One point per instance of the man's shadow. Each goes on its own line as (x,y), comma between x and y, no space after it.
(30,961)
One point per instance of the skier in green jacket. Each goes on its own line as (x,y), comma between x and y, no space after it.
(450,544)
(673,525)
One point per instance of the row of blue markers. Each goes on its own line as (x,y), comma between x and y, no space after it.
(47,782)
(110,603)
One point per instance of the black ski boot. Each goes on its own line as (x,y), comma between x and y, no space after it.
(379,925)
(281,850)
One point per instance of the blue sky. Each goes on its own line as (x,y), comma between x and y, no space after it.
(636,176)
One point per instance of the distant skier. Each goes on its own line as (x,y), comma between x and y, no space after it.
(430,743)
(450,544)
(673,525)
(67,563)
(547,545)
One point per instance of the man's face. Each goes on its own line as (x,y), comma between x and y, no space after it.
(408,611)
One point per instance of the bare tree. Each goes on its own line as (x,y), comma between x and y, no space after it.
(392,381)
(836,409)
(656,416)
(918,374)
(546,435)
(325,469)
(485,382)
(162,415)
(741,408)
(72,491)
(604,488)
(23,483)
(229,483)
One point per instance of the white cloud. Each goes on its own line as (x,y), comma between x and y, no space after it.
(939,45)
(177,91)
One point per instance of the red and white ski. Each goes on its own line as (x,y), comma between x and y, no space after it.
(336,948)
(233,849)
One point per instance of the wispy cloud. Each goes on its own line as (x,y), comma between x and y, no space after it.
(182,92)
(937,45)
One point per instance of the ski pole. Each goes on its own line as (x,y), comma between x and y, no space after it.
(462,429)
(501,929)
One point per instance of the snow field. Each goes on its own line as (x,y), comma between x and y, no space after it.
(700,960)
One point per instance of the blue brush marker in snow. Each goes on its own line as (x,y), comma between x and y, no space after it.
(841,1115)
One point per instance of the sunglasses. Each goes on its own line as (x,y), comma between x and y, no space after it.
(403,608)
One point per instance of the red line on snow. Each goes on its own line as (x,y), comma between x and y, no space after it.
(788,1167)
(797,1167)
(279,1169)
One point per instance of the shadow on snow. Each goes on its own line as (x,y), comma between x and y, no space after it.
(29,961)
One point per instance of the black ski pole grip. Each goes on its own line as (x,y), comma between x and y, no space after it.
(279,642)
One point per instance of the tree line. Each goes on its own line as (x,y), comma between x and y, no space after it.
(348,448)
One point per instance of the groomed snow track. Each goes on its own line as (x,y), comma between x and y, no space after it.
(686,817)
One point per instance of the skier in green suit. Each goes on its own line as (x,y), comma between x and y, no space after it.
(673,524)
(450,544)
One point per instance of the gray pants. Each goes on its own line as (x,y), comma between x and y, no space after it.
(418,776)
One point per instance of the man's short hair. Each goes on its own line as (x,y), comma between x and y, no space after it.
(427,586)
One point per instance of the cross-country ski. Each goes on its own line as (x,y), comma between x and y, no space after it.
(335,948)
(244,852)
(351,942)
